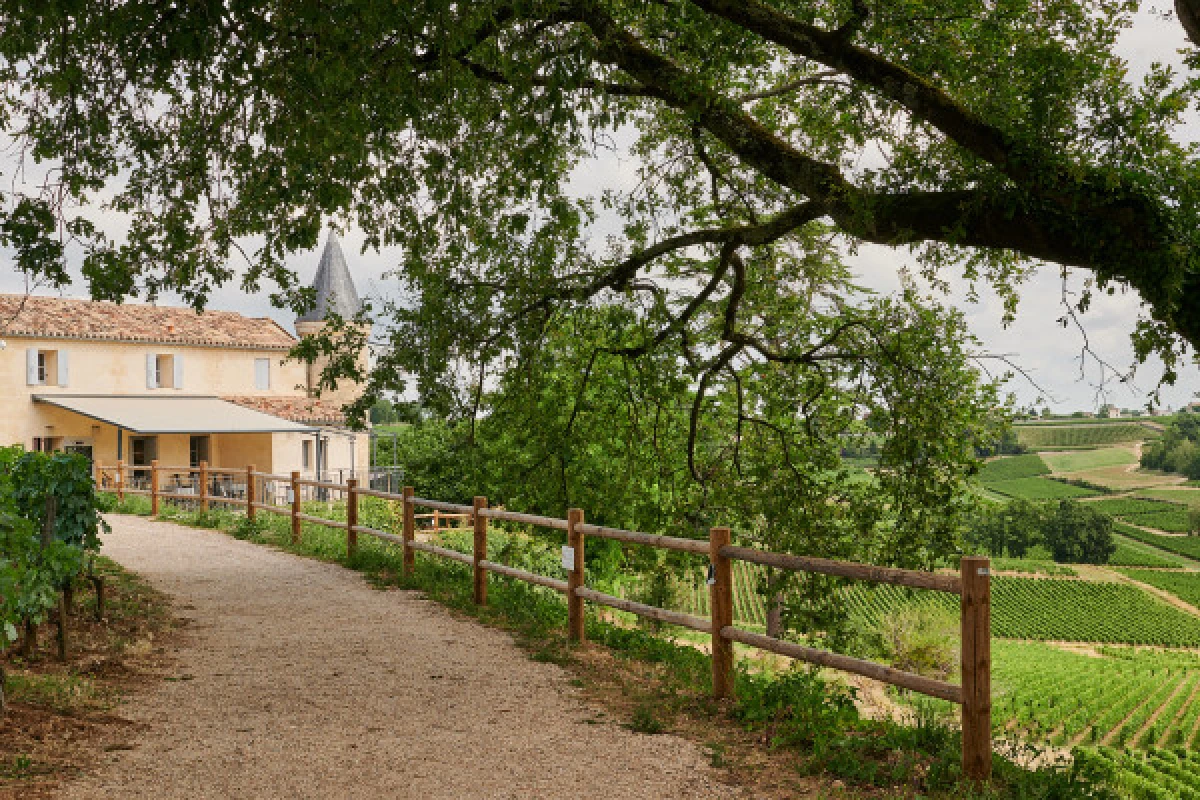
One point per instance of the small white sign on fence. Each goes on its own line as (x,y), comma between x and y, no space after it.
(568,555)
(290,495)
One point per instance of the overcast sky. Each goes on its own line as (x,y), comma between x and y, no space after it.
(1048,352)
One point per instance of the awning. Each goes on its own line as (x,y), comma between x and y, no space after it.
(172,414)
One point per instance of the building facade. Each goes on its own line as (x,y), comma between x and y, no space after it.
(139,383)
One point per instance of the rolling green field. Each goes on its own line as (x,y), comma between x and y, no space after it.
(1129,554)
(1089,459)
(1183,545)
(1090,433)
(1184,585)
(1038,489)
(1050,695)
(1013,467)
(1052,609)
(1189,497)
(1160,774)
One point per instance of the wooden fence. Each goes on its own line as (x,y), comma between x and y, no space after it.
(259,491)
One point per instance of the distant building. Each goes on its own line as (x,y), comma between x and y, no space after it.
(140,383)
(1109,411)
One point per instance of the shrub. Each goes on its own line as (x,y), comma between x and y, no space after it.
(921,640)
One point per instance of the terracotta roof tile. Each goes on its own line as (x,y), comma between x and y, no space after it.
(71,318)
(298,409)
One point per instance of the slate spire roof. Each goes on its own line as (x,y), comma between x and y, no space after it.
(335,287)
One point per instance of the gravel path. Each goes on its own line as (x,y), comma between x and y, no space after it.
(297,679)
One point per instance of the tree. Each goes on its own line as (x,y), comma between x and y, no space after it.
(1076,534)
(1010,133)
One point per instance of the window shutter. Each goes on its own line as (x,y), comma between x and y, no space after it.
(31,376)
(63,369)
(151,378)
(178,360)
(262,373)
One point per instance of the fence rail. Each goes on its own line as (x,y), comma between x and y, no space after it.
(972,583)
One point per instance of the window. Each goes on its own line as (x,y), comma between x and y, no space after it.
(142,450)
(46,444)
(45,367)
(164,371)
(262,374)
(305,454)
(198,449)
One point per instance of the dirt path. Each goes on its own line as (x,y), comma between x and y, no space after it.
(299,680)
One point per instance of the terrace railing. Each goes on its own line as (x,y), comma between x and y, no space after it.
(284,494)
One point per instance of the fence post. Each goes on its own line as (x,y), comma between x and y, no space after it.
(410,555)
(295,508)
(351,517)
(976,668)
(480,553)
(721,606)
(203,486)
(251,493)
(120,480)
(154,488)
(576,630)
(437,521)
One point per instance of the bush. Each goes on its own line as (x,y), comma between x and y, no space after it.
(921,640)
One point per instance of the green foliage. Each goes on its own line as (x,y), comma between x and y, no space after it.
(921,640)
(34,477)
(1178,450)
(1071,532)
(33,572)
(1013,467)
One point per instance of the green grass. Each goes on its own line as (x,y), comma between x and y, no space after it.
(1182,545)
(1090,432)
(1128,506)
(1038,489)
(1031,566)
(1009,467)
(1129,554)
(1188,497)
(1184,585)
(1089,459)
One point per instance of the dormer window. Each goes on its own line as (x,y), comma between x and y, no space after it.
(45,367)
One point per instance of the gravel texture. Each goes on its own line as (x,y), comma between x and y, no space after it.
(296,679)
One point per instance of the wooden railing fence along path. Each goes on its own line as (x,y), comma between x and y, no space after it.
(205,485)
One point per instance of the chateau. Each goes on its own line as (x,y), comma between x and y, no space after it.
(139,383)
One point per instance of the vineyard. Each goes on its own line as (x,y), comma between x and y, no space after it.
(1183,545)
(1184,585)
(1159,774)
(1053,609)
(1049,436)
(1046,609)
(1013,467)
(1133,555)
(1130,698)
(1089,459)
(1038,489)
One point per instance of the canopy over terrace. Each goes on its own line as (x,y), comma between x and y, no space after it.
(176,430)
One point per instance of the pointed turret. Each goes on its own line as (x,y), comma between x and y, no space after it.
(334,286)
(335,292)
